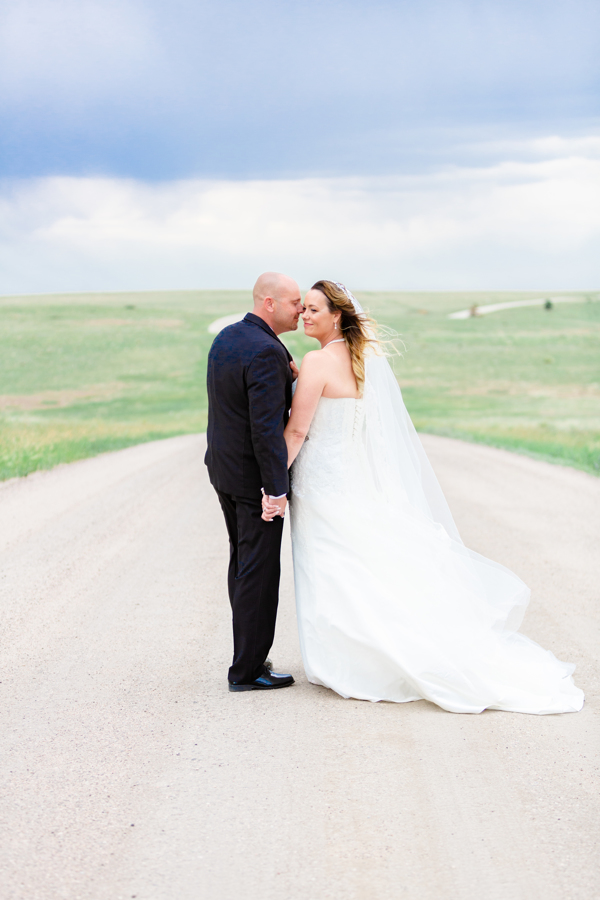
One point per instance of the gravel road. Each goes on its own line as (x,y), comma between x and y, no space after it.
(129,771)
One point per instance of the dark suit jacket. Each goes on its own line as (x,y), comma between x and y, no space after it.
(249,396)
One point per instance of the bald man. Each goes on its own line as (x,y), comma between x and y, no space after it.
(250,375)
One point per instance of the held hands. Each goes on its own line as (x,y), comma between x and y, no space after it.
(295,370)
(273,507)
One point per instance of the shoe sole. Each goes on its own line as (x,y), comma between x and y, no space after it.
(238,688)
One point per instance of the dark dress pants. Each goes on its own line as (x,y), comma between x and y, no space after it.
(253,582)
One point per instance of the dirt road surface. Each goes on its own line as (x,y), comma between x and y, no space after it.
(128,770)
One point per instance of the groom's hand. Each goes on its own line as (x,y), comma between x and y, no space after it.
(295,370)
(273,507)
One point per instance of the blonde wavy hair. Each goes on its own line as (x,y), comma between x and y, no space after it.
(358,329)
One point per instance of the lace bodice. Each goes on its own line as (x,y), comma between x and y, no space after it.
(336,420)
(331,444)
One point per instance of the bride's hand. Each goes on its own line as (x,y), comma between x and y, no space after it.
(272,508)
(295,370)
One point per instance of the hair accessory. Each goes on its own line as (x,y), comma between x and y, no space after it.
(350,296)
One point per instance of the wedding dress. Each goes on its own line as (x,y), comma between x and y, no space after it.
(391,605)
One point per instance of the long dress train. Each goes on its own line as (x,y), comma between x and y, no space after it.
(391,605)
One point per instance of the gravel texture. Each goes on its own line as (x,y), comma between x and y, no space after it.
(129,771)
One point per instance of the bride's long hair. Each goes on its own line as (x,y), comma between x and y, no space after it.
(358,329)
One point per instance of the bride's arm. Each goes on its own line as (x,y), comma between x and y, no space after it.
(311,383)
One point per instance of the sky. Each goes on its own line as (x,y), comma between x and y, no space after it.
(423,145)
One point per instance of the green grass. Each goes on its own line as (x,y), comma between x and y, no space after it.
(82,374)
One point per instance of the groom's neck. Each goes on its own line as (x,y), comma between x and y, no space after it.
(268,318)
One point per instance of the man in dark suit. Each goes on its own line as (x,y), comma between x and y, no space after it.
(250,375)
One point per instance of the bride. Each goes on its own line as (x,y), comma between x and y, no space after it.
(391,604)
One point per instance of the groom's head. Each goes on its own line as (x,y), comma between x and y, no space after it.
(277,301)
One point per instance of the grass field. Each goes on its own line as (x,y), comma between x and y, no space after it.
(81,374)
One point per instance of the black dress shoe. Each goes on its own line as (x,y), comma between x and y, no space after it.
(268,681)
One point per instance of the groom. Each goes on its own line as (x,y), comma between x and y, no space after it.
(250,375)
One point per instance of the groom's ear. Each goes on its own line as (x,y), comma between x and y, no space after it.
(269,304)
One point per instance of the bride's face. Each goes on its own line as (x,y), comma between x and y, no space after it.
(319,322)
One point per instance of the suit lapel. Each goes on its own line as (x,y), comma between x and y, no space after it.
(256,320)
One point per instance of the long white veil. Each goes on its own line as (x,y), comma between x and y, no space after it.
(399,463)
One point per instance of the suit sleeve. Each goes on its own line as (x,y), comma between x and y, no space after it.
(266,384)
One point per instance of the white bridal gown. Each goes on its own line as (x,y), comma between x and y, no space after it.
(391,605)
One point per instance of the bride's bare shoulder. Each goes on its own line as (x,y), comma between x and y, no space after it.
(315,370)
(315,359)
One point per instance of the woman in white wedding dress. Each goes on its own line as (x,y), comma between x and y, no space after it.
(391,605)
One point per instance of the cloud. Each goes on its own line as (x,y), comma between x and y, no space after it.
(231,89)
(67,53)
(531,224)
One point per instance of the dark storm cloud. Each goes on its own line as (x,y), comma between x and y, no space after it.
(227,88)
